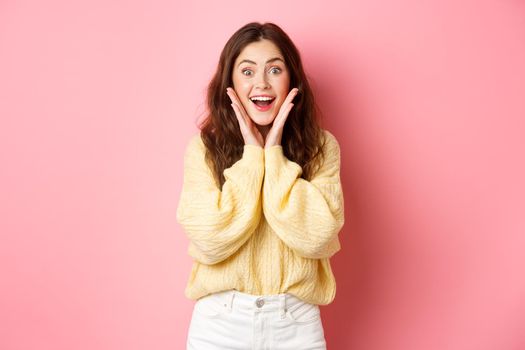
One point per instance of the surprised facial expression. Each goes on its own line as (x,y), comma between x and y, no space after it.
(261,80)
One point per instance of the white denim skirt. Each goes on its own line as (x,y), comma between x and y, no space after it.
(238,321)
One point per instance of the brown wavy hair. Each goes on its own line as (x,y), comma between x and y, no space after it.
(302,138)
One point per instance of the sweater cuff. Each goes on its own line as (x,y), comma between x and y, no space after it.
(275,159)
(253,153)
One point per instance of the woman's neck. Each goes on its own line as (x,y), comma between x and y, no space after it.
(264,129)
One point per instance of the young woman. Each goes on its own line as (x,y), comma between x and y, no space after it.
(261,202)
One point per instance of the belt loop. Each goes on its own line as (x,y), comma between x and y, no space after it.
(229,300)
(282,305)
(226,297)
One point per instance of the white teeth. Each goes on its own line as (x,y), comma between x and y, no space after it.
(261,98)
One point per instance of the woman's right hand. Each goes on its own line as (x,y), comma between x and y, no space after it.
(249,130)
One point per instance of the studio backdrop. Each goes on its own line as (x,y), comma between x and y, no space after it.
(98,100)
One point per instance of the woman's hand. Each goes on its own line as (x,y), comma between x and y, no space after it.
(276,132)
(249,130)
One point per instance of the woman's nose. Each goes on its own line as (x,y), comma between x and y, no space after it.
(262,81)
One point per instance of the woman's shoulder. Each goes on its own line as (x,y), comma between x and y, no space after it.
(328,134)
(195,144)
(330,141)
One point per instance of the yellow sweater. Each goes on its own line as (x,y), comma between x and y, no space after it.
(268,231)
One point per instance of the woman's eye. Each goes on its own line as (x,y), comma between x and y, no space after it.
(247,72)
(275,70)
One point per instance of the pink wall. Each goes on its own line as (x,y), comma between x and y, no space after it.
(98,100)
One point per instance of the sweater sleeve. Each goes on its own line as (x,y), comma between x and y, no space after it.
(218,222)
(306,215)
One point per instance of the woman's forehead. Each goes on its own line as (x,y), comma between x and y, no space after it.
(260,52)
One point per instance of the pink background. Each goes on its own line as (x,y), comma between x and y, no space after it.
(97,102)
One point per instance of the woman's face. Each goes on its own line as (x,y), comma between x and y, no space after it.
(259,70)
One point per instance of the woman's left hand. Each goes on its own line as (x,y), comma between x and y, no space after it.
(276,132)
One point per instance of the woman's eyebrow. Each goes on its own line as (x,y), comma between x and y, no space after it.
(269,61)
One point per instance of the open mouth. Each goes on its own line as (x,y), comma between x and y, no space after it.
(262,101)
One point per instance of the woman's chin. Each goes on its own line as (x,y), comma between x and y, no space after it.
(264,125)
(262,120)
